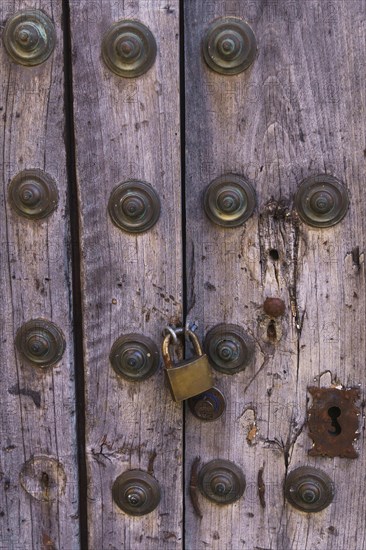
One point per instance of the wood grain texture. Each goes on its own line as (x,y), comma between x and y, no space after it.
(37,405)
(299,110)
(128,128)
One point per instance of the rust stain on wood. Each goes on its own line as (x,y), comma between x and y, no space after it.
(47,543)
(252,434)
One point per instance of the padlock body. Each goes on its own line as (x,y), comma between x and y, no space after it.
(190,378)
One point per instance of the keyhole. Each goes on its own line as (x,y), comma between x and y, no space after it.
(334,413)
(273,254)
(271,331)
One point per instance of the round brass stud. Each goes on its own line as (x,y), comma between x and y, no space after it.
(33,194)
(136,493)
(208,406)
(40,342)
(29,37)
(129,48)
(229,46)
(134,357)
(309,489)
(229,200)
(221,481)
(43,478)
(134,206)
(229,348)
(321,201)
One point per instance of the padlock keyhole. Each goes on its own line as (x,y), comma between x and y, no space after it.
(334,413)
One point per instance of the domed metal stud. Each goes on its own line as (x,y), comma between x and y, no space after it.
(229,200)
(134,206)
(274,307)
(134,357)
(221,481)
(40,342)
(309,489)
(208,406)
(129,48)
(321,201)
(43,478)
(33,194)
(229,45)
(136,493)
(29,37)
(229,348)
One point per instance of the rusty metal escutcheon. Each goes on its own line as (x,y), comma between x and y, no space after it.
(333,422)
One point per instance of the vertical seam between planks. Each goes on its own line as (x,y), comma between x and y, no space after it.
(182,105)
(76,273)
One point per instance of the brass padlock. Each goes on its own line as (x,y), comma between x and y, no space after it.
(188,378)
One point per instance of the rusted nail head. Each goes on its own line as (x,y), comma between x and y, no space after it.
(274,307)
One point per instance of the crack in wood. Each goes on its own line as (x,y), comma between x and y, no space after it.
(261,487)
(191,295)
(150,467)
(286,448)
(356,257)
(193,484)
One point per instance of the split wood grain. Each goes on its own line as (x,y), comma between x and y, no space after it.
(128,129)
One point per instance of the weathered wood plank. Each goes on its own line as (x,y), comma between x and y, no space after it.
(37,404)
(128,129)
(297,111)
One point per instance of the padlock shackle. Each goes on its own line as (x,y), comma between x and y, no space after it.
(196,343)
(165,352)
(166,343)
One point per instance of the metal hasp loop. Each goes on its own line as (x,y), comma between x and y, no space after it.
(136,492)
(229,348)
(170,330)
(29,37)
(166,343)
(135,357)
(221,481)
(40,342)
(309,489)
(33,194)
(229,46)
(129,48)
(229,200)
(134,206)
(321,201)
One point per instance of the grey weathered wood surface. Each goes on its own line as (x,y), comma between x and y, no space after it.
(37,406)
(128,128)
(298,110)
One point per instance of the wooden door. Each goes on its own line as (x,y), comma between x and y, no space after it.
(290,291)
